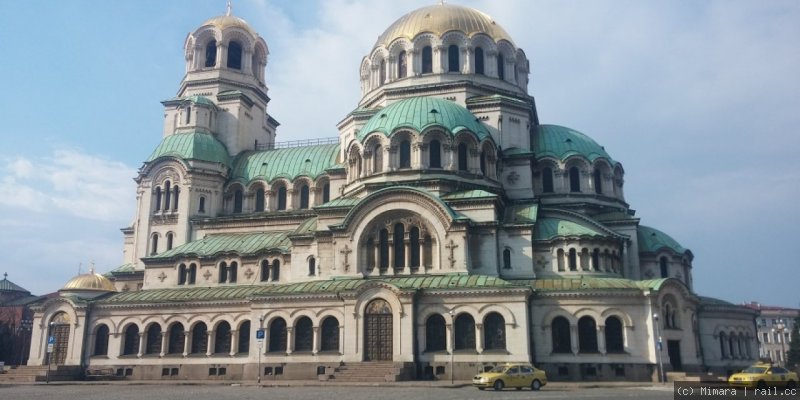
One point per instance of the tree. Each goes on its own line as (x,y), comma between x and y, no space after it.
(793,355)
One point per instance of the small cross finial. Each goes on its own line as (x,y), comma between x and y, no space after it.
(5,275)
(230,8)
(91,267)
(442,2)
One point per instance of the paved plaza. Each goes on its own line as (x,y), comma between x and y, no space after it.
(200,392)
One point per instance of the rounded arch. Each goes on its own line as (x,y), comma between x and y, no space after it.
(238,35)
(216,320)
(437,212)
(378,290)
(500,309)
(152,320)
(583,312)
(558,312)
(626,319)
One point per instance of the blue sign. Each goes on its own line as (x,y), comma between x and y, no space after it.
(51,340)
(260,334)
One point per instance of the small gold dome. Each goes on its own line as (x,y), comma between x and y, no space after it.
(90,282)
(223,22)
(440,19)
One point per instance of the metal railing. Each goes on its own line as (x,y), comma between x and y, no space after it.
(296,143)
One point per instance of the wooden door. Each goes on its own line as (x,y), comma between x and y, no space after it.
(378,331)
(61,334)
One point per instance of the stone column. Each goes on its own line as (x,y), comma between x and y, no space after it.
(411,62)
(407,249)
(438,54)
(341,338)
(479,338)
(268,200)
(315,341)
(164,338)
(467,56)
(386,160)
(377,254)
(490,64)
(290,199)
(222,55)
(234,342)
(187,342)
(209,343)
(289,340)
(247,63)
(450,345)
(141,344)
(391,252)
(198,57)
(601,339)
(421,244)
(313,195)
(573,338)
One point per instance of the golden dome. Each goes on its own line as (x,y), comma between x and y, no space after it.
(90,282)
(229,21)
(440,19)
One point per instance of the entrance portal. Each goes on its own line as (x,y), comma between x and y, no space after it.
(59,329)
(378,331)
(674,352)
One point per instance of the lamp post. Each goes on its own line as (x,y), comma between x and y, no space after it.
(452,342)
(658,350)
(260,340)
(780,328)
(50,348)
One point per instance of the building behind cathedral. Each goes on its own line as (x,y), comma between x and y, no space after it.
(445,230)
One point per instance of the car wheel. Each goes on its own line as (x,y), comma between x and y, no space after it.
(791,385)
(761,385)
(536,385)
(498,385)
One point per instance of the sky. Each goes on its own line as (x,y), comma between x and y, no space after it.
(699,101)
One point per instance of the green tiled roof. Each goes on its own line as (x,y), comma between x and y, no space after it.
(192,146)
(124,269)
(594,283)
(419,113)
(289,163)
(549,228)
(428,282)
(340,202)
(243,244)
(8,286)
(469,194)
(561,142)
(522,213)
(652,240)
(308,226)
(194,99)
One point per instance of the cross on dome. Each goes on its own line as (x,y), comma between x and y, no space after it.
(5,275)
(229,8)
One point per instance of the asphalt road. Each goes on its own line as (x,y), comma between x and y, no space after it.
(216,392)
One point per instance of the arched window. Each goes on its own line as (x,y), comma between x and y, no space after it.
(560,260)
(182,274)
(483,162)
(435,333)
(158,198)
(452,58)
(494,332)
(435,154)
(260,199)
(562,341)
(377,158)
(303,335)
(613,331)
(222,338)
(131,346)
(427,60)
(234,55)
(547,180)
(202,206)
(382,72)
(169,241)
(277,336)
(662,263)
(501,67)
(399,247)
(427,251)
(312,266)
(573,260)
(232,272)
(281,198)
(101,341)
(177,196)
(465,332)
(264,271)
(596,259)
(303,197)
(223,272)
(237,201)
(574,180)
(413,241)
(384,250)
(177,339)
(330,334)
(598,181)
(405,154)
(244,338)
(723,345)
(199,339)
(188,113)
(153,345)
(479,61)
(587,335)
(276,270)
(154,245)
(211,54)
(402,69)
(192,274)
(462,157)
(326,192)
(507,259)
(167,195)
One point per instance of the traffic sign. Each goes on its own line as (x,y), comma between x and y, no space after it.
(260,335)
(50,347)
(51,340)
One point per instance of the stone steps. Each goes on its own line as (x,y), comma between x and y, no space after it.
(371,372)
(29,374)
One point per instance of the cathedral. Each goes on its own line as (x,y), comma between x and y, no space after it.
(445,230)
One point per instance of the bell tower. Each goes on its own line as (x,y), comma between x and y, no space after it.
(224,91)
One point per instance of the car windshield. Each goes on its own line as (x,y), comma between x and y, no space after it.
(499,368)
(755,370)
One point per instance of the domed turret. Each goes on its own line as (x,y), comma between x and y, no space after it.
(88,283)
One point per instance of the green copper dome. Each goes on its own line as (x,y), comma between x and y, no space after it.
(419,113)
(561,142)
(192,146)
(651,240)
(290,163)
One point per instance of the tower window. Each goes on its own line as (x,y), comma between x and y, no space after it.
(547,180)
(202,206)
(427,60)
(175,200)
(234,55)
(452,58)
(169,241)
(158,198)
(402,69)
(483,162)
(462,157)
(237,201)
(573,260)
(167,195)
(312,266)
(507,259)
(435,154)
(662,263)
(188,112)
(260,199)
(211,54)
(304,197)
(281,198)
(326,193)
(598,181)
(382,72)
(154,244)
(405,154)
(479,61)
(574,180)
(501,64)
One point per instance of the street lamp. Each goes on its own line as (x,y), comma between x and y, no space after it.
(658,350)
(780,328)
(452,341)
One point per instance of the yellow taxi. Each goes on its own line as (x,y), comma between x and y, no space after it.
(511,375)
(762,376)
